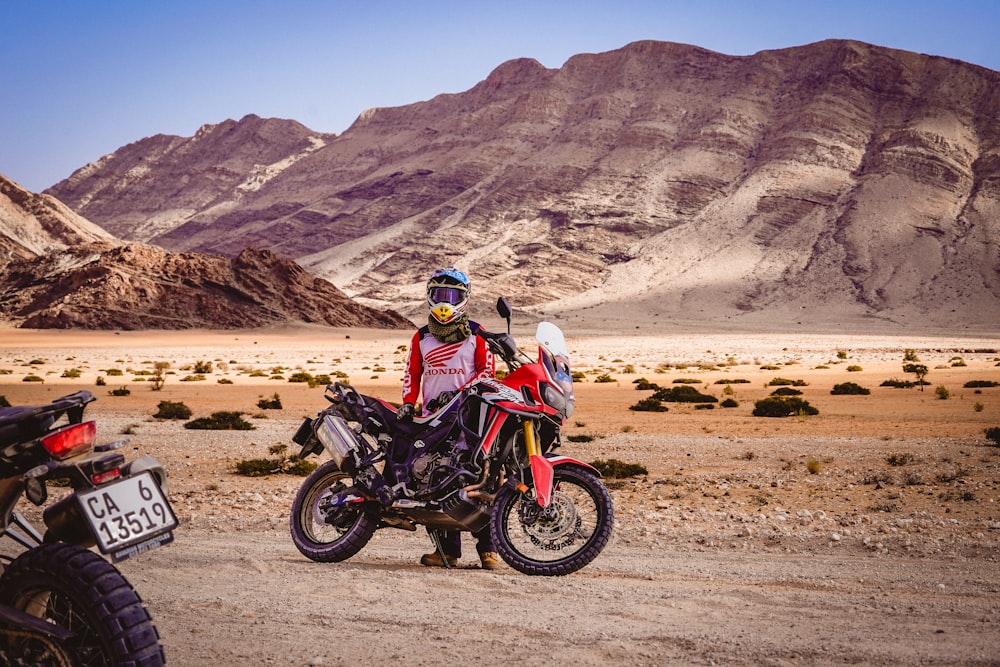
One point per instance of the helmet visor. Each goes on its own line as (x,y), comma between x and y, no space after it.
(452,295)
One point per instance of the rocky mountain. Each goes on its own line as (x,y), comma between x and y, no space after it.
(837,183)
(135,286)
(33,224)
(61,271)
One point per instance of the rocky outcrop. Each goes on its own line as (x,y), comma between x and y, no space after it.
(837,181)
(32,224)
(134,286)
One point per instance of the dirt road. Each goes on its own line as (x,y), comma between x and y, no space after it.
(248,598)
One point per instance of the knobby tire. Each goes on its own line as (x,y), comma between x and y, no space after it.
(82,592)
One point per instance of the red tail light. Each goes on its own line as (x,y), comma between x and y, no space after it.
(70,440)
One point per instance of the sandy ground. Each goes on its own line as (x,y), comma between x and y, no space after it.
(750,540)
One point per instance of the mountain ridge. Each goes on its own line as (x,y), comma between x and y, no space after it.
(836,181)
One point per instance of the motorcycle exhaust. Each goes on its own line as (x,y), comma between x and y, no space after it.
(340,441)
(472,514)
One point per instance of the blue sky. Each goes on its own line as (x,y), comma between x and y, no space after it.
(81,78)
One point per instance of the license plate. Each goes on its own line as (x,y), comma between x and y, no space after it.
(127,514)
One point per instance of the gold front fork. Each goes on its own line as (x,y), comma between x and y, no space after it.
(530,443)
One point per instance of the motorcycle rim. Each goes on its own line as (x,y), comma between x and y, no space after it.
(561,538)
(349,527)
(78,590)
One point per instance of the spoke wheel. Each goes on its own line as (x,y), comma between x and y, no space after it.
(560,538)
(81,592)
(328,534)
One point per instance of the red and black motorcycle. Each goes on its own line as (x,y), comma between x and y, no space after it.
(487,457)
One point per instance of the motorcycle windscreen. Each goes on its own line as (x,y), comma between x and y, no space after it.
(551,338)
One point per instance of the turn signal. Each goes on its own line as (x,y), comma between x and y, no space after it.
(70,441)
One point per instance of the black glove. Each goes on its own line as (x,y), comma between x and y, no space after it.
(440,400)
(405,412)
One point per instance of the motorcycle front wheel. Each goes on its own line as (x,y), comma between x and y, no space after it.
(558,539)
(79,591)
(329,534)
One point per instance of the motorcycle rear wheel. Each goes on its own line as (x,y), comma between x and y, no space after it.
(78,590)
(561,538)
(317,539)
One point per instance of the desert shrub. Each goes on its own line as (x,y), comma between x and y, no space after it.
(288,465)
(580,437)
(898,384)
(683,394)
(579,376)
(993,435)
(193,378)
(980,384)
(172,410)
(649,404)
(786,391)
(224,381)
(884,506)
(642,384)
(114,372)
(202,367)
(32,378)
(618,469)
(686,381)
(221,421)
(783,406)
(704,406)
(100,381)
(729,403)
(900,459)
(121,391)
(813,466)
(849,388)
(784,382)
(4,403)
(301,376)
(273,403)
(71,373)
(604,377)
(323,379)
(942,392)
(736,381)
(854,368)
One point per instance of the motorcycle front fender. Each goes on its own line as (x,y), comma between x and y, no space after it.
(543,474)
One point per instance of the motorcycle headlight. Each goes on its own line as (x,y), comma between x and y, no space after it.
(555,398)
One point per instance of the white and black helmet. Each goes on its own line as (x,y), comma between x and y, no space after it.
(448,292)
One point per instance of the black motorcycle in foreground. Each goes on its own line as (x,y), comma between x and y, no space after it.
(487,457)
(60,603)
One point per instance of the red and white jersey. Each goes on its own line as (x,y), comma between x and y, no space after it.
(442,367)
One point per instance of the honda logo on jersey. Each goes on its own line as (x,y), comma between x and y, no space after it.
(440,357)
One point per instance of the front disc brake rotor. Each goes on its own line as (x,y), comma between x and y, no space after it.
(555,525)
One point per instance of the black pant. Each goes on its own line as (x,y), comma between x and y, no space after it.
(452,541)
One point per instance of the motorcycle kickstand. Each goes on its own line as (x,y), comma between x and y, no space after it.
(439,546)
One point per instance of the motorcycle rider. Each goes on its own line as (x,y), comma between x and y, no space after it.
(446,355)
